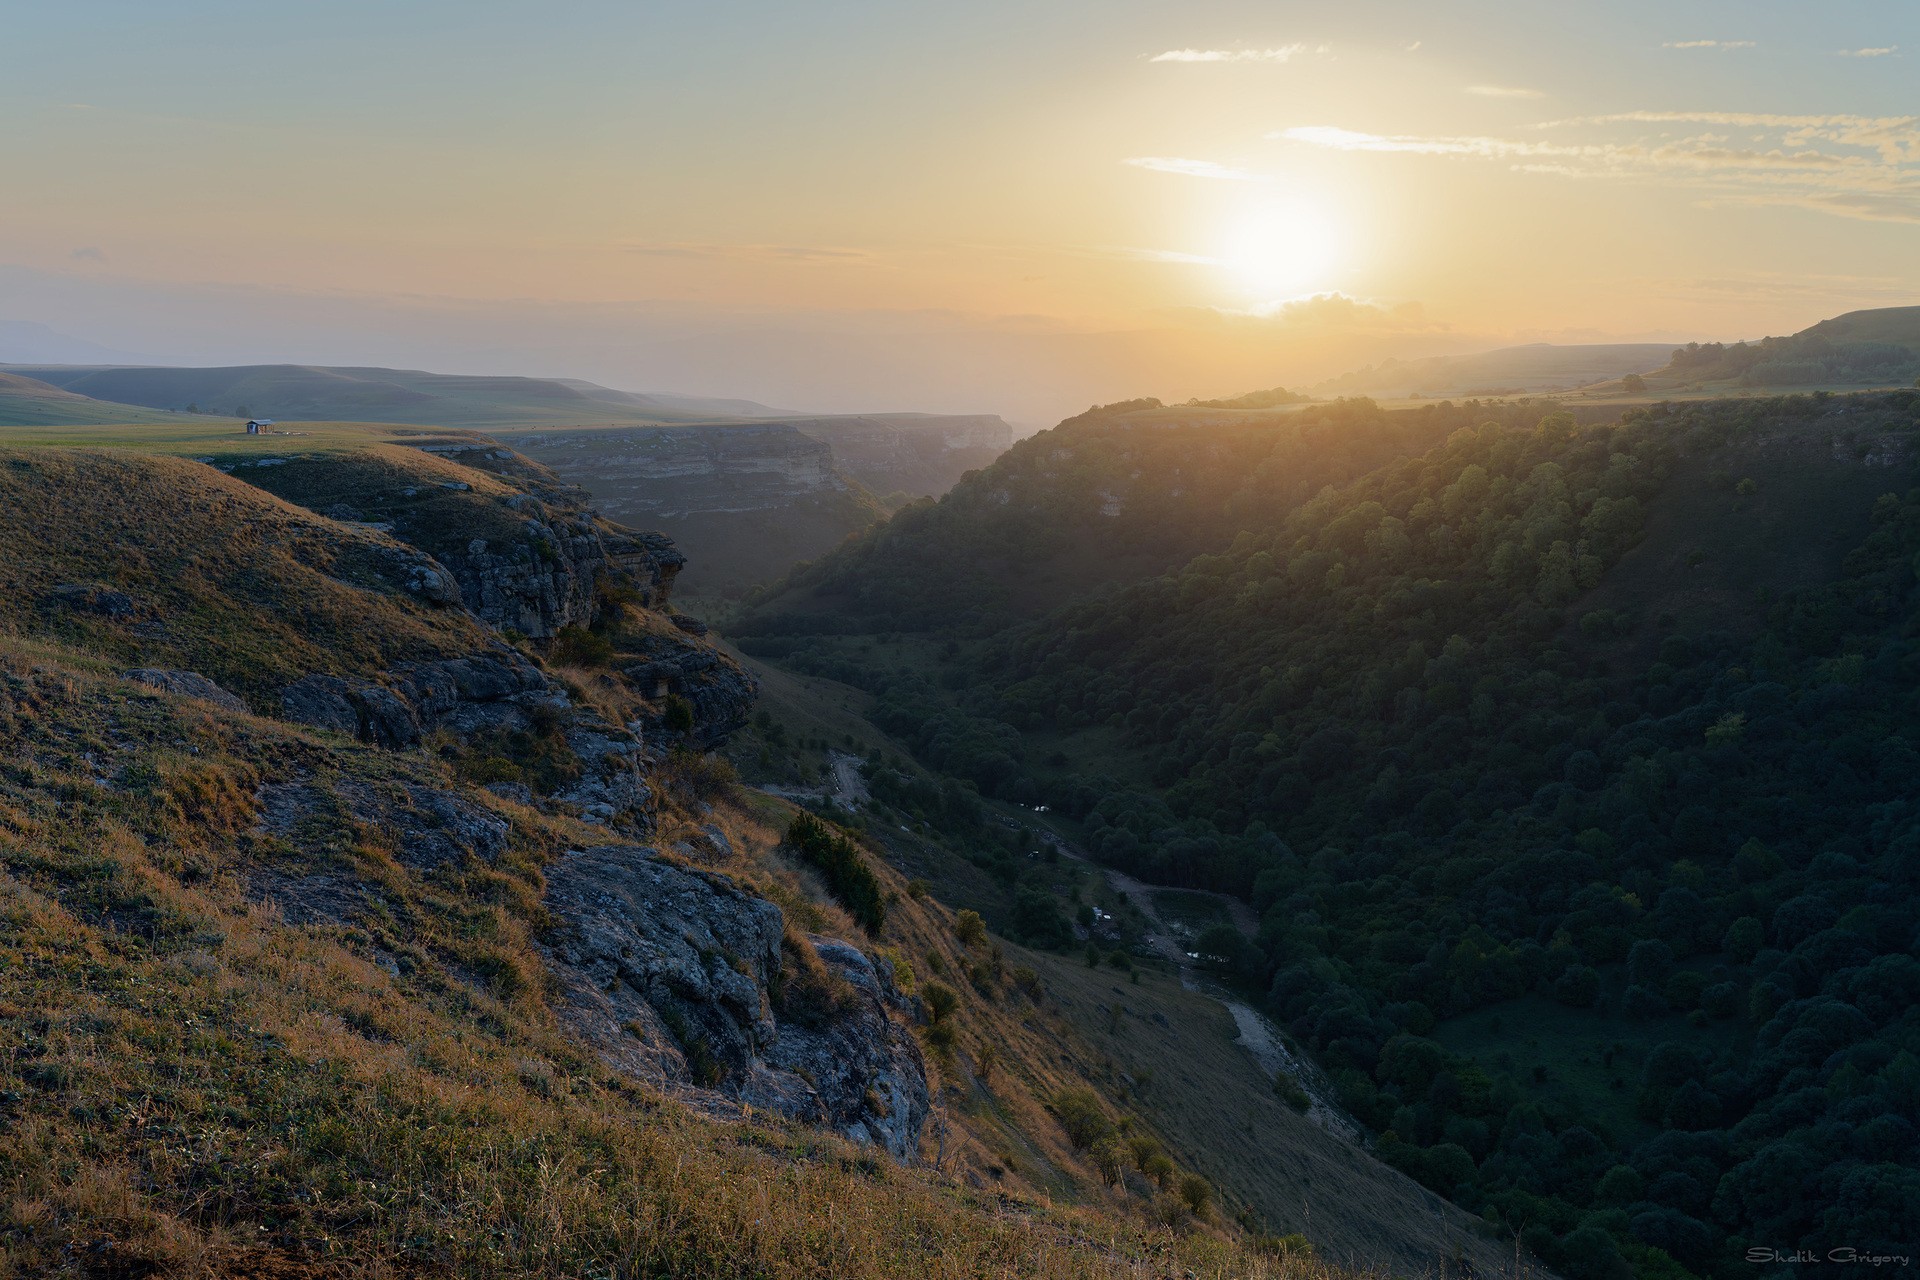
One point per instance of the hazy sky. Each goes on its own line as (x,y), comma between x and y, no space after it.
(644,190)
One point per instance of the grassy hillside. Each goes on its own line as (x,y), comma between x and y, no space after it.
(198,1085)
(1611,717)
(278,1002)
(1876,348)
(376,395)
(248,590)
(1899,325)
(30,401)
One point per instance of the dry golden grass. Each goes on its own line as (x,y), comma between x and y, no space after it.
(193,1086)
(221,578)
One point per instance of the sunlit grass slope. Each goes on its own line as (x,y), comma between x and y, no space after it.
(194,1082)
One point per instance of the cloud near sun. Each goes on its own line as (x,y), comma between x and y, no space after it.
(1280,53)
(1193,168)
(1865,167)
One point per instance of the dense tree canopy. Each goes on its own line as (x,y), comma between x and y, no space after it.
(1396,716)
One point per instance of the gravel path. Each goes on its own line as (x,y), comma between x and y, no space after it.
(1258,1036)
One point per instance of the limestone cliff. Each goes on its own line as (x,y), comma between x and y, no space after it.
(750,500)
(746,500)
(922,455)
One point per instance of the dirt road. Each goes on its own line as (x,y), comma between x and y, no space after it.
(1257,1035)
(849,788)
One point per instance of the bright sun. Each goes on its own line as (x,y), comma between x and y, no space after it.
(1280,248)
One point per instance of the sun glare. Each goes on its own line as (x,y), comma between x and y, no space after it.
(1280,248)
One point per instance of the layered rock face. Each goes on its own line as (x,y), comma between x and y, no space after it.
(538,560)
(644,475)
(544,575)
(919,454)
(674,973)
(751,500)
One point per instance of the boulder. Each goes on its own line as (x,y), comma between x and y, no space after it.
(368,711)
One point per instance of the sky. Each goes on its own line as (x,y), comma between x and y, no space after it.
(996,206)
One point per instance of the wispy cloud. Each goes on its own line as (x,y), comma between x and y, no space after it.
(749,252)
(1279,53)
(88,254)
(1896,138)
(1875,52)
(1865,167)
(1192,168)
(1708,44)
(1502,91)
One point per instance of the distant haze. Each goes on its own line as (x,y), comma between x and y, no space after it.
(1013,206)
(1027,370)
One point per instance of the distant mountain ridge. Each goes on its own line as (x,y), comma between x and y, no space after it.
(355,393)
(1877,347)
(1537,366)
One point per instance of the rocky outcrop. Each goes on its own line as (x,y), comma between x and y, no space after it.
(360,708)
(865,1071)
(671,973)
(494,693)
(550,572)
(423,827)
(719,691)
(525,555)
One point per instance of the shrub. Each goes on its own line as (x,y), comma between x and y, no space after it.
(970,928)
(985,1059)
(1195,1194)
(699,775)
(1082,1117)
(678,717)
(847,874)
(579,647)
(941,1000)
(1291,1245)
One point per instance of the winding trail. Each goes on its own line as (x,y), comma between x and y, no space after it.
(1258,1036)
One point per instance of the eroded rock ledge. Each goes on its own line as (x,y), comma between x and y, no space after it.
(676,976)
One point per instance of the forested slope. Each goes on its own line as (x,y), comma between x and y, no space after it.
(1095,502)
(1572,769)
